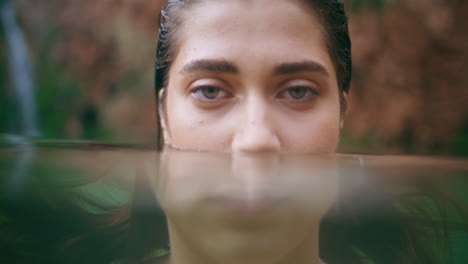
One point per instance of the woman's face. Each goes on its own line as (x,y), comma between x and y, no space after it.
(252,76)
(245,208)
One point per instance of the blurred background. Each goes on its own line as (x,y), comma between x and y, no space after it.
(83,70)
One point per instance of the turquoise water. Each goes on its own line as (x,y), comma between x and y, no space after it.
(81,202)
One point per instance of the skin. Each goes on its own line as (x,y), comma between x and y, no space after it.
(248,77)
(222,46)
(258,209)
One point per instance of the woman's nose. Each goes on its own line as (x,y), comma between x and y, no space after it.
(256,132)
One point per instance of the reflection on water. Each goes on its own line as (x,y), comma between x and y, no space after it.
(88,203)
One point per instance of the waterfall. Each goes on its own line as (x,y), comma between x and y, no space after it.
(23,84)
(21,72)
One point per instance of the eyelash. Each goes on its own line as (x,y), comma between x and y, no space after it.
(310,94)
(202,97)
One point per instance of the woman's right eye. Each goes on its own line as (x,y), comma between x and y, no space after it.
(210,93)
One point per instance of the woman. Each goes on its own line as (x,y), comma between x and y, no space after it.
(253,75)
(248,76)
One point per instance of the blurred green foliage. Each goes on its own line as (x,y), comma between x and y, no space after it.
(350,144)
(57,96)
(7,105)
(461,143)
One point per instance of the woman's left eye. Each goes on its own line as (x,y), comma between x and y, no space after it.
(298,93)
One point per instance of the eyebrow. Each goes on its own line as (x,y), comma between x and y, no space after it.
(296,67)
(224,66)
(218,66)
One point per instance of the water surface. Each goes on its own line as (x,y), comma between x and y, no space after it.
(80,202)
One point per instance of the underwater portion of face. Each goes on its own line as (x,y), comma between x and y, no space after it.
(245,208)
(252,76)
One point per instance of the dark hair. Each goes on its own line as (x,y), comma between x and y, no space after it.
(50,221)
(330,12)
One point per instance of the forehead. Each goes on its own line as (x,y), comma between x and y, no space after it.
(254,12)
(252,28)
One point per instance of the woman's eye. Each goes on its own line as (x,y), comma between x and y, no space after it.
(299,93)
(209,93)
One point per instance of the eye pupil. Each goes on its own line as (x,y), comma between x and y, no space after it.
(210,92)
(297,92)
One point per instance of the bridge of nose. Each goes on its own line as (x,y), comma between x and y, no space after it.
(256,131)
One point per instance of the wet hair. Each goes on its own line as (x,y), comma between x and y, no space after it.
(51,221)
(331,14)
